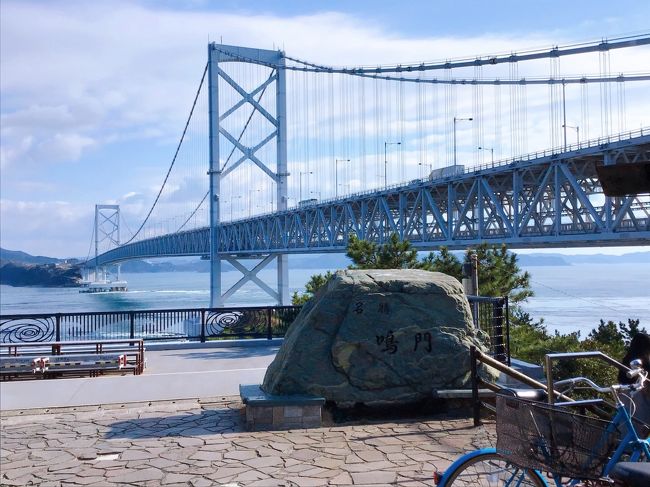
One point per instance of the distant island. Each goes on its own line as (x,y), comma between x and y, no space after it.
(22,269)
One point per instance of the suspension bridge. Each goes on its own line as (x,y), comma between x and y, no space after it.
(280,155)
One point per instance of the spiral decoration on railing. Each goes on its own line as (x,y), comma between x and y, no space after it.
(218,321)
(27,330)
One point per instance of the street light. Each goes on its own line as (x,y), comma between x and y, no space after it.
(301,173)
(576,128)
(422,164)
(386,144)
(250,192)
(336,170)
(491,149)
(456,119)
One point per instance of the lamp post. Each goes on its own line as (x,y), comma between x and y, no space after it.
(336,171)
(576,128)
(386,144)
(422,164)
(301,173)
(250,192)
(232,204)
(456,119)
(491,149)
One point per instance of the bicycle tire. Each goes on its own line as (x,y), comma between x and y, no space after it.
(491,470)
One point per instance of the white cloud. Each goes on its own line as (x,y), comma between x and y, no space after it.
(56,228)
(82,77)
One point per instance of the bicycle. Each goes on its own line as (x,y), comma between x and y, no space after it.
(537,440)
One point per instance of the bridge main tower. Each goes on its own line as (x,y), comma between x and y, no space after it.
(228,138)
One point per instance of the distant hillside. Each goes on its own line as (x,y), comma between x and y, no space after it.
(41,275)
(24,258)
(542,260)
(138,266)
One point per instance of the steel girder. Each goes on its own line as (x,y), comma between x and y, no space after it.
(191,242)
(551,201)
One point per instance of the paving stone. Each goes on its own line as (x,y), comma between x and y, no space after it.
(371,455)
(307,481)
(96,446)
(135,476)
(261,462)
(240,455)
(367,466)
(373,478)
(268,483)
(341,479)
(176,478)
(200,482)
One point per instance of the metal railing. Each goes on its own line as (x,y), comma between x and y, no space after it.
(202,324)
(491,316)
(169,324)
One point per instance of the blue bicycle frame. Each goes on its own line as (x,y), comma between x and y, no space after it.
(630,444)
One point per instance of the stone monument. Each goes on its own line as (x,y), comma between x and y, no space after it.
(378,337)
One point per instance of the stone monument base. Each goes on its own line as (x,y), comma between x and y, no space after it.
(266,412)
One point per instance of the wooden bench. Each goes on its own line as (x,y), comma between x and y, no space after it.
(56,359)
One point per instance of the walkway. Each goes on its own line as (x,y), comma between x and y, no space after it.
(202,443)
(170,374)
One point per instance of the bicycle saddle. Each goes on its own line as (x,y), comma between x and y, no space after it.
(632,474)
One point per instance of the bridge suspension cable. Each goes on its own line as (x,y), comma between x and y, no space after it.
(555,52)
(178,148)
(232,151)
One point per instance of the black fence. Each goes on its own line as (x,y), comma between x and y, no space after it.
(170,324)
(490,315)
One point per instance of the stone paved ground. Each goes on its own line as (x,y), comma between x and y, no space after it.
(202,443)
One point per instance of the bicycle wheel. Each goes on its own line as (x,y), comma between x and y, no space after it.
(491,470)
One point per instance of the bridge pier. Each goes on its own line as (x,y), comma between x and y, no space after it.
(221,167)
(280,295)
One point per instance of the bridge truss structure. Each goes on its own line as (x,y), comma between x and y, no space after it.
(551,198)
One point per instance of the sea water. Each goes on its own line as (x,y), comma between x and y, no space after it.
(569,298)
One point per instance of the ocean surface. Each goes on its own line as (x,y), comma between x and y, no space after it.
(569,298)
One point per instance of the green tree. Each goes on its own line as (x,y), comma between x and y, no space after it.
(499,274)
(314,284)
(443,261)
(394,254)
(531,341)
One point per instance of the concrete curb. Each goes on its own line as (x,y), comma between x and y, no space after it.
(252,342)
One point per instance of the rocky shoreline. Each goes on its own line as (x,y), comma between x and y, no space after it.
(45,275)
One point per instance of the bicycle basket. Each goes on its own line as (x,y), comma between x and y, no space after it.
(553,439)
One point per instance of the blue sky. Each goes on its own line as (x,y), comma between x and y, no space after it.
(94,94)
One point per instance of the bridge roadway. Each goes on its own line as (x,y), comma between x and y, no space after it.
(548,199)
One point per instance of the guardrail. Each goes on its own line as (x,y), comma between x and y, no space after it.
(169,324)
(202,324)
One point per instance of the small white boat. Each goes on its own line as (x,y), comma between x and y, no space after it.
(103,286)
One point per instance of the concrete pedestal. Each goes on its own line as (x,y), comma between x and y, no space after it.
(274,412)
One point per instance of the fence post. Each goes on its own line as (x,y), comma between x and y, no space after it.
(497,319)
(202,326)
(57,327)
(269,330)
(131,325)
(507,312)
(476,404)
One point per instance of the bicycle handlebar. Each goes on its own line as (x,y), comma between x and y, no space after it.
(640,374)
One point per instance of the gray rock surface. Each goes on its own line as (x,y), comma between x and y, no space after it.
(378,337)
